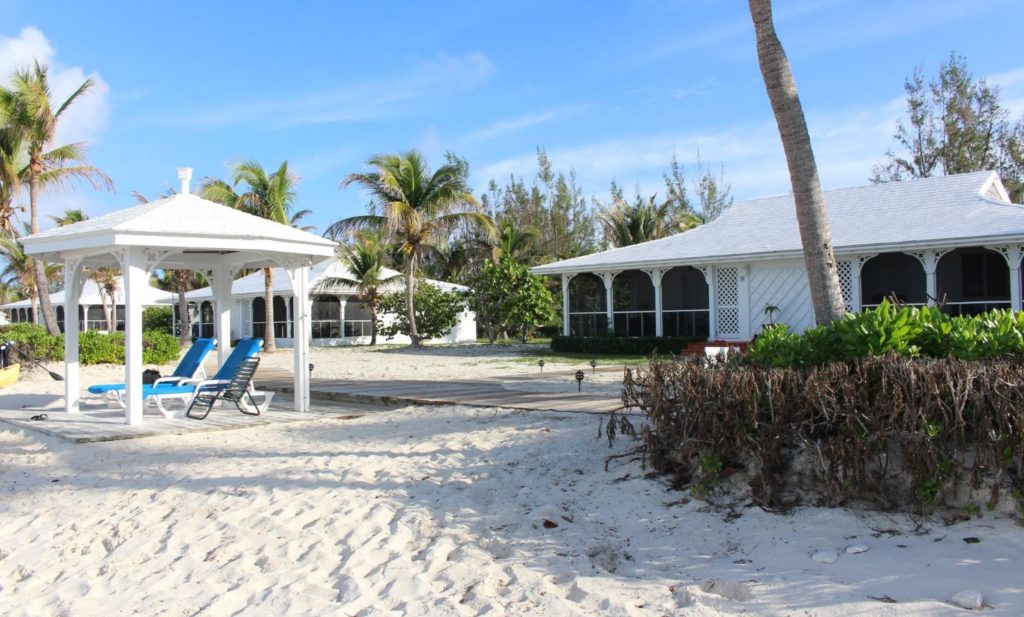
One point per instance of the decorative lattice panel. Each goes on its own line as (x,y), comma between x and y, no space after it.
(728,297)
(846,282)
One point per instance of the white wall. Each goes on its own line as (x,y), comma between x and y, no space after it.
(782,284)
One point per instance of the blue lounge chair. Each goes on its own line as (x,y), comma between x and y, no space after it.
(189,367)
(187,390)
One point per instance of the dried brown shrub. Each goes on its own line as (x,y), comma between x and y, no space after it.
(883,432)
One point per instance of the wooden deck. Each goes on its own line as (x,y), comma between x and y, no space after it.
(104,424)
(477,393)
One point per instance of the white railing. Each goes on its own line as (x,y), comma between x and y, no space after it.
(686,322)
(974,307)
(635,323)
(588,323)
(358,327)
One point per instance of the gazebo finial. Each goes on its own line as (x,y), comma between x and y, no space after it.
(185,175)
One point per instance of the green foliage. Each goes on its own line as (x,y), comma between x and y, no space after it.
(93,347)
(507,298)
(99,348)
(625,345)
(955,124)
(436,311)
(890,329)
(157,319)
(34,341)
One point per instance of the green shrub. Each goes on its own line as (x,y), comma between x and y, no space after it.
(635,346)
(34,341)
(93,347)
(437,311)
(890,329)
(157,318)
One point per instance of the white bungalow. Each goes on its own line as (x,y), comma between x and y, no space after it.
(953,240)
(90,308)
(340,315)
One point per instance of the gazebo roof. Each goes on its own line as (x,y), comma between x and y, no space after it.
(194,228)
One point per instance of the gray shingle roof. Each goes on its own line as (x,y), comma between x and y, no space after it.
(948,210)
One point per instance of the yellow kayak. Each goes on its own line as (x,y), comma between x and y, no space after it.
(9,375)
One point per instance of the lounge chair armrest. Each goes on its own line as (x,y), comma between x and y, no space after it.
(171,380)
(211,384)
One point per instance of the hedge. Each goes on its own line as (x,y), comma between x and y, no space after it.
(93,347)
(888,432)
(642,345)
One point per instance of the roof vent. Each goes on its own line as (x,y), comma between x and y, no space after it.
(185,175)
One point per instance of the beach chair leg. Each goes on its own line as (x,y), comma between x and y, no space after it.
(250,408)
(204,401)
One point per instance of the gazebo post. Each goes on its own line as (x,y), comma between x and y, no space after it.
(300,340)
(73,281)
(222,311)
(135,280)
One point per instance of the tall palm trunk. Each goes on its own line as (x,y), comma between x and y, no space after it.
(811,215)
(373,320)
(269,338)
(184,319)
(42,285)
(410,281)
(111,313)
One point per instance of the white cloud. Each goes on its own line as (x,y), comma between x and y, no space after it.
(847,143)
(353,102)
(89,117)
(508,126)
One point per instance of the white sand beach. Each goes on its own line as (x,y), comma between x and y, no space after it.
(442,510)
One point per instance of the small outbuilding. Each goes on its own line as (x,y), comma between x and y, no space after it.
(178,232)
(340,313)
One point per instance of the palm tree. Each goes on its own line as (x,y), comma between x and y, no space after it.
(71,215)
(19,270)
(812,218)
(106,282)
(12,162)
(625,224)
(29,112)
(365,258)
(419,210)
(267,195)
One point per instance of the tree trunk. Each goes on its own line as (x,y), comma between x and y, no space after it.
(811,214)
(373,322)
(184,319)
(112,314)
(42,285)
(269,340)
(410,280)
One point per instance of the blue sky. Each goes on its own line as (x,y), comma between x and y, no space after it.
(610,89)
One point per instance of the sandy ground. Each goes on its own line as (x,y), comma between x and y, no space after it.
(437,511)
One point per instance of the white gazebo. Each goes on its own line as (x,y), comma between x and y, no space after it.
(178,232)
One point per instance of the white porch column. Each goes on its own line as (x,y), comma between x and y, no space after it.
(300,349)
(136,279)
(930,262)
(566,278)
(289,328)
(1012,254)
(659,327)
(85,317)
(73,281)
(342,302)
(709,278)
(221,287)
(609,281)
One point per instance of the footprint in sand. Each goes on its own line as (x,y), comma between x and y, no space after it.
(730,590)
